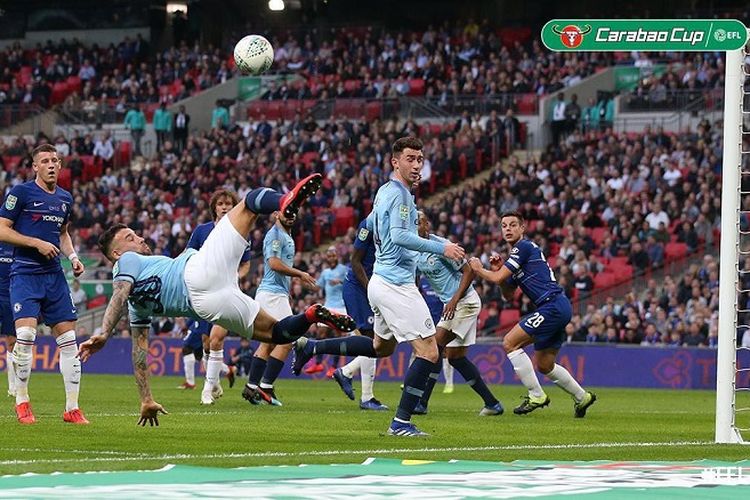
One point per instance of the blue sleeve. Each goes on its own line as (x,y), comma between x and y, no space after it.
(194,242)
(364,237)
(68,200)
(519,255)
(127,268)
(272,245)
(399,211)
(323,278)
(13,204)
(246,255)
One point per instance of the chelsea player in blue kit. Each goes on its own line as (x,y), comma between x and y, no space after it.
(195,345)
(199,284)
(457,329)
(527,268)
(34,219)
(358,307)
(401,314)
(273,296)
(6,315)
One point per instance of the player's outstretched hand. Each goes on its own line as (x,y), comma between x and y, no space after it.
(47,249)
(496,262)
(150,413)
(309,282)
(475,264)
(454,251)
(77,267)
(89,347)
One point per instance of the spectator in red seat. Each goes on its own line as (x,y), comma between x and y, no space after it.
(638,257)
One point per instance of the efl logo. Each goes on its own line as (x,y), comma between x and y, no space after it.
(571,36)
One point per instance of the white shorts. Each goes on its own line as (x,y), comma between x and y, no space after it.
(212,281)
(334,309)
(400,311)
(464,322)
(275,304)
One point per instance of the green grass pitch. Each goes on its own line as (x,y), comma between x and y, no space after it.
(317,424)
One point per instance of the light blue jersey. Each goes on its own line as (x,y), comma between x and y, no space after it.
(334,292)
(394,224)
(158,285)
(277,243)
(443,274)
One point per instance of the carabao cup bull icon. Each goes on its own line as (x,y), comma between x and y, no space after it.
(571,36)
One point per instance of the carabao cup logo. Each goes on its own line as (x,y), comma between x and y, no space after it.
(571,36)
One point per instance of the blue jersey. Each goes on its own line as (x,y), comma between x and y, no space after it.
(394,224)
(6,259)
(38,214)
(443,274)
(531,272)
(277,243)
(364,242)
(198,238)
(334,292)
(434,304)
(158,285)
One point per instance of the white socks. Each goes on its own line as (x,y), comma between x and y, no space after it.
(11,373)
(566,382)
(22,356)
(367,371)
(525,371)
(70,368)
(448,371)
(188,361)
(353,367)
(213,369)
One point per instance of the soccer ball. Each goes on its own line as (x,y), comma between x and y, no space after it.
(253,55)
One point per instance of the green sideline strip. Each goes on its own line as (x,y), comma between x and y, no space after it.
(386,477)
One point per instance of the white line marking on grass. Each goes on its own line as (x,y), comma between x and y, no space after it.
(381,451)
(82,452)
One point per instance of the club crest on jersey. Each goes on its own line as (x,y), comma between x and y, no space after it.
(64,207)
(10,202)
(403,212)
(363,234)
(514,250)
(431,260)
(428,323)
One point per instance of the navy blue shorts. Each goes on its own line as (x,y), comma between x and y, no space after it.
(357,305)
(194,338)
(547,324)
(6,314)
(46,295)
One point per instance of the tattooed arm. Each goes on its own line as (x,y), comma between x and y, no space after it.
(150,409)
(117,305)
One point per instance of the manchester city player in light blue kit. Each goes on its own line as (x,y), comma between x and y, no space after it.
(273,297)
(401,314)
(331,281)
(545,327)
(358,307)
(35,218)
(199,284)
(457,329)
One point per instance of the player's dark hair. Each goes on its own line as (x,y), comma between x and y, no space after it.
(406,142)
(44,148)
(513,213)
(105,240)
(219,194)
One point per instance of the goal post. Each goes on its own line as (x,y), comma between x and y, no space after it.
(729,36)
(726,362)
